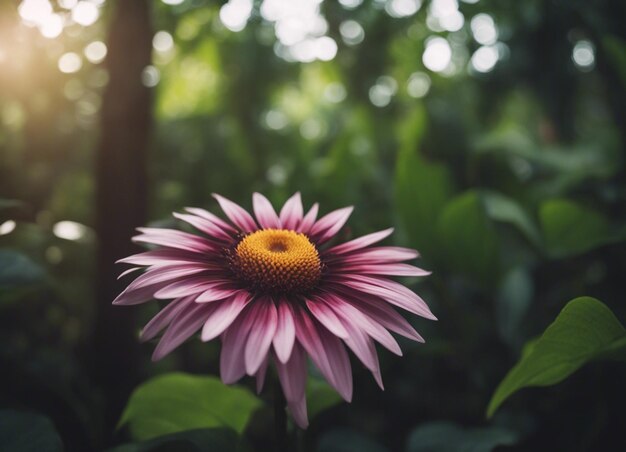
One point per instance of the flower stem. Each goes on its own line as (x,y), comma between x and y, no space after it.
(280,418)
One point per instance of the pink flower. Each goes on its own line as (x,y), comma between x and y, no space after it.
(274,289)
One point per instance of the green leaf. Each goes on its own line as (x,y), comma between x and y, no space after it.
(422,188)
(18,270)
(175,402)
(344,440)
(449,437)
(504,209)
(469,237)
(584,330)
(27,432)
(570,228)
(320,396)
(211,439)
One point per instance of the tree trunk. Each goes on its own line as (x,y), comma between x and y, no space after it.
(121,197)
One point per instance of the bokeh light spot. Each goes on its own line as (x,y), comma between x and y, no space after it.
(85,13)
(583,55)
(7,227)
(352,32)
(485,58)
(418,84)
(437,54)
(162,41)
(95,51)
(70,62)
(69,230)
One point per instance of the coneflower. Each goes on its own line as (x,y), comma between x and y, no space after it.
(274,290)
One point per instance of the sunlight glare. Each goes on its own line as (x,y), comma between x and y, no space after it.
(163,41)
(51,26)
(352,32)
(85,13)
(35,12)
(402,8)
(235,14)
(7,227)
(70,62)
(437,55)
(96,51)
(583,55)
(418,85)
(485,58)
(484,29)
(69,230)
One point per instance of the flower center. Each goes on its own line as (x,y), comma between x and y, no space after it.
(278,260)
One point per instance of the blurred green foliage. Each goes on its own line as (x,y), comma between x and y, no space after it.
(511,183)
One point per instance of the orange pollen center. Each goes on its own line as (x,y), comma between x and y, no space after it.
(278,260)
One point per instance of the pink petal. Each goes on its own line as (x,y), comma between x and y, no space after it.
(164,318)
(389,291)
(350,314)
(237,214)
(363,347)
(385,269)
(185,324)
(293,374)
(291,213)
(166,275)
(260,375)
(308,220)
(212,218)
(232,365)
(265,213)
(360,242)
(339,363)
(378,255)
(326,351)
(128,272)
(175,239)
(261,334)
(218,292)
(298,412)
(327,226)
(383,313)
(142,292)
(162,257)
(325,315)
(224,315)
(206,226)
(188,286)
(285,335)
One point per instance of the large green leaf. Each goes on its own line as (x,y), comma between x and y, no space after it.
(27,432)
(469,237)
(422,188)
(570,228)
(210,439)
(175,402)
(584,330)
(449,437)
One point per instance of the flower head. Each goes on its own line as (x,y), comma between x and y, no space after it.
(274,290)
